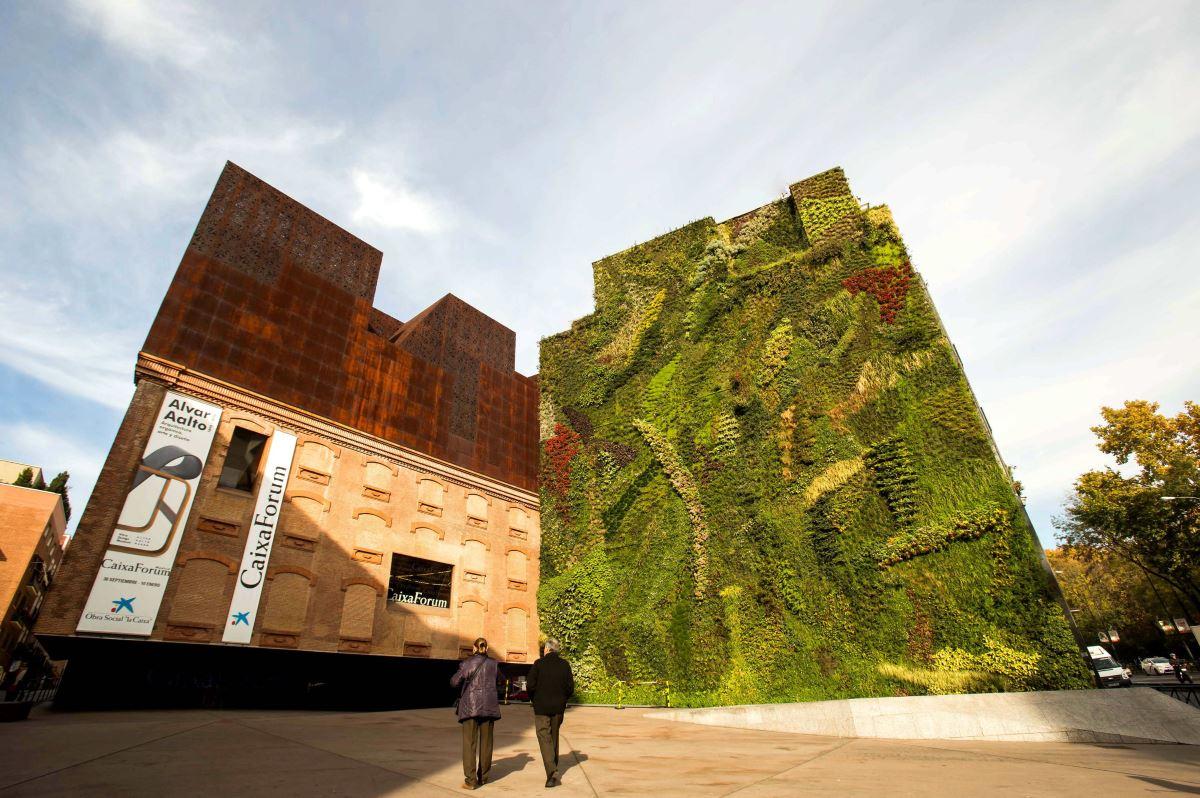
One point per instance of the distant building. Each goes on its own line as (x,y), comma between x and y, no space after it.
(304,490)
(32,524)
(11,470)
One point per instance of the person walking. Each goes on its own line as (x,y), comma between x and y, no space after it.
(550,684)
(478,709)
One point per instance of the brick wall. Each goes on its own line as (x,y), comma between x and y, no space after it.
(24,515)
(346,512)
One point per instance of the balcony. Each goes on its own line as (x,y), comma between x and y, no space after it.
(18,630)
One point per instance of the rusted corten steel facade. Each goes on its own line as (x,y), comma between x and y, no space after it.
(414,438)
(274,298)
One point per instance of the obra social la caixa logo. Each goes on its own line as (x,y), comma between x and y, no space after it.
(123,603)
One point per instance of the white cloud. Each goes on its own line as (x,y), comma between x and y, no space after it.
(155,30)
(1008,156)
(41,338)
(1045,428)
(395,206)
(69,175)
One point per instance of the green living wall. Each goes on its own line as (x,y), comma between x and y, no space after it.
(765,478)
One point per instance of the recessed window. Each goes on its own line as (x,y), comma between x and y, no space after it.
(242,459)
(424,583)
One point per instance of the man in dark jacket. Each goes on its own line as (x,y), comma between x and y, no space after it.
(550,684)
(478,710)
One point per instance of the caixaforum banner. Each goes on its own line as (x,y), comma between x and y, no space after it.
(252,574)
(133,575)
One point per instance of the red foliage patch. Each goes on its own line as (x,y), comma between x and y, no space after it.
(560,450)
(888,284)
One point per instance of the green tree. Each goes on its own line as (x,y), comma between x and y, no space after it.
(1123,512)
(1110,592)
(59,485)
(24,479)
(38,482)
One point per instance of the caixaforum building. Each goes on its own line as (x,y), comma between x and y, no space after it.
(305,493)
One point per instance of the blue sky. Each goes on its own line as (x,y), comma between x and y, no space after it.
(1041,160)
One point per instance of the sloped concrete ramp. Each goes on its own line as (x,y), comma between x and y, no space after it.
(1132,715)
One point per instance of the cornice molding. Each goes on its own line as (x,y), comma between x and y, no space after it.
(227,395)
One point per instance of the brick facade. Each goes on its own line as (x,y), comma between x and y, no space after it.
(31,525)
(351,503)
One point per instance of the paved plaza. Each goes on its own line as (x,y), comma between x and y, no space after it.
(605,752)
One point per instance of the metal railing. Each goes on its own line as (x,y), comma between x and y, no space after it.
(664,686)
(30,696)
(1187,693)
(37,696)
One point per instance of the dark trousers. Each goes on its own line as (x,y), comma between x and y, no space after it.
(547,734)
(477,748)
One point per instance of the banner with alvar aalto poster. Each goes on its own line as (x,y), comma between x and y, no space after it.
(133,575)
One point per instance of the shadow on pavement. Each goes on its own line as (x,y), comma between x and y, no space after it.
(571,760)
(1173,786)
(509,764)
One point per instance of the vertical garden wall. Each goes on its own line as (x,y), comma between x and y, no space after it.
(765,478)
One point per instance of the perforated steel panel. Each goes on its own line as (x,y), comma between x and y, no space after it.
(273,298)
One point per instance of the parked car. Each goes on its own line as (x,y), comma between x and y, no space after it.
(1157,666)
(1111,673)
(517,690)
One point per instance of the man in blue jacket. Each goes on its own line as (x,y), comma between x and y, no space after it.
(550,684)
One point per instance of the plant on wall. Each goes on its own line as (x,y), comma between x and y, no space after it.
(560,451)
(769,480)
(888,284)
(681,479)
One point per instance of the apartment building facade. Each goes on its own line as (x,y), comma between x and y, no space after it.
(32,527)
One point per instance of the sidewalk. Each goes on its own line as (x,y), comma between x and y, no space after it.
(605,752)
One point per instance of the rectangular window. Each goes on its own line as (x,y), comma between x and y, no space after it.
(422,582)
(242,459)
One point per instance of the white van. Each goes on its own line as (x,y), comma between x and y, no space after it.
(1110,672)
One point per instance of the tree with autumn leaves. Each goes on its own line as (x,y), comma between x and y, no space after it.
(1109,593)
(1142,511)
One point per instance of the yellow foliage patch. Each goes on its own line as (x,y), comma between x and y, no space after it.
(939,682)
(787,426)
(832,478)
(641,318)
(876,377)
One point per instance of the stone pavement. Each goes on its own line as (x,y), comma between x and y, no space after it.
(605,752)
